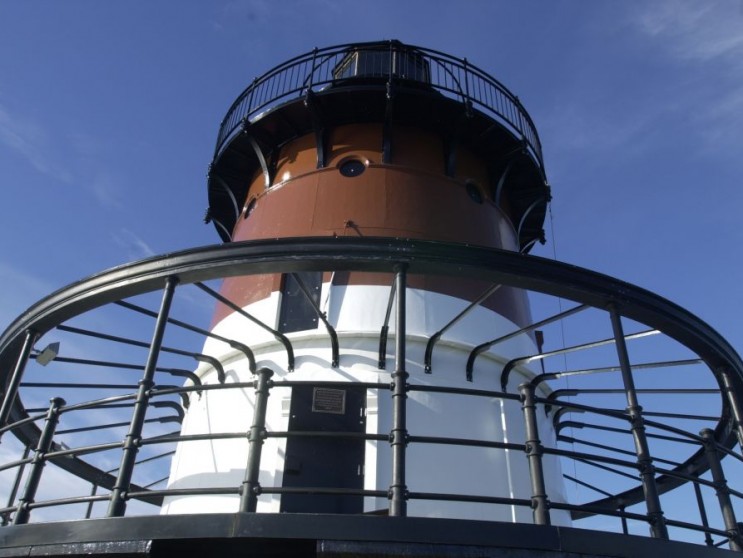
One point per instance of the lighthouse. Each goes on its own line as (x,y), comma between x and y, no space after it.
(355,370)
(365,142)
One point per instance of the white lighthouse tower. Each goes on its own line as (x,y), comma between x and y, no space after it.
(357,142)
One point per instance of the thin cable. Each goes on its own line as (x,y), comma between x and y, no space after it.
(562,333)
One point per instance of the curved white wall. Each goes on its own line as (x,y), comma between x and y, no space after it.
(358,313)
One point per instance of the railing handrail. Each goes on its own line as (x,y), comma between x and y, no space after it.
(414,439)
(384,255)
(298,75)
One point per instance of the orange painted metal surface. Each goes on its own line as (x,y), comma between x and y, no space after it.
(409,198)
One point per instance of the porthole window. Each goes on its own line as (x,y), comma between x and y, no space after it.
(352,167)
(250,207)
(473,192)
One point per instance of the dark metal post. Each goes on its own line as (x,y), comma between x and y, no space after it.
(15,379)
(399,435)
(117,504)
(251,487)
(703,515)
(625,529)
(734,405)
(93,492)
(39,460)
(657,522)
(534,452)
(721,489)
(16,485)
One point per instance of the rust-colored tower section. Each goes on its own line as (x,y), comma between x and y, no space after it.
(379,140)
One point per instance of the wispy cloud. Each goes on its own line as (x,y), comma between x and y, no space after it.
(18,290)
(697,29)
(105,189)
(30,141)
(136,247)
(707,37)
(43,150)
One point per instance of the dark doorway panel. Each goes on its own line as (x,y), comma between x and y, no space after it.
(325,462)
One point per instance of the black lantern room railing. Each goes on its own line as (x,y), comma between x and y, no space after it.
(323,68)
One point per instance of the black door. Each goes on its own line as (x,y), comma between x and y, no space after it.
(325,462)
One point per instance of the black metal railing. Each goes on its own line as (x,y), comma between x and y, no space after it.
(389,60)
(634,458)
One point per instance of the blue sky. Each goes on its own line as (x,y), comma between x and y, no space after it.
(109,112)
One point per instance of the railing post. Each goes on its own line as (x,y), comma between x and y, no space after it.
(734,405)
(625,527)
(89,510)
(703,515)
(398,492)
(311,83)
(467,99)
(251,487)
(16,486)
(37,465)
(657,522)
(15,379)
(721,489)
(117,504)
(534,452)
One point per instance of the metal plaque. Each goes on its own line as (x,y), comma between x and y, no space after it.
(328,400)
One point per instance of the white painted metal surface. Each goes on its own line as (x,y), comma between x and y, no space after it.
(357,312)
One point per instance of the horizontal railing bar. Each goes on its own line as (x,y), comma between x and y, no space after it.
(326,434)
(116,425)
(18,423)
(214,490)
(62,385)
(68,501)
(637,366)
(570,392)
(729,452)
(193,438)
(299,383)
(571,440)
(681,416)
(591,457)
(157,482)
(587,485)
(590,461)
(695,480)
(465,442)
(84,450)
(698,528)
(16,463)
(464,391)
(594,510)
(203,387)
(469,498)
(323,490)
(577,424)
(96,403)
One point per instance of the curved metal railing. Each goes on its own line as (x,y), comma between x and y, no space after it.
(648,465)
(316,70)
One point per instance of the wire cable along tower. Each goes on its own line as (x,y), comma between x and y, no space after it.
(371,363)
